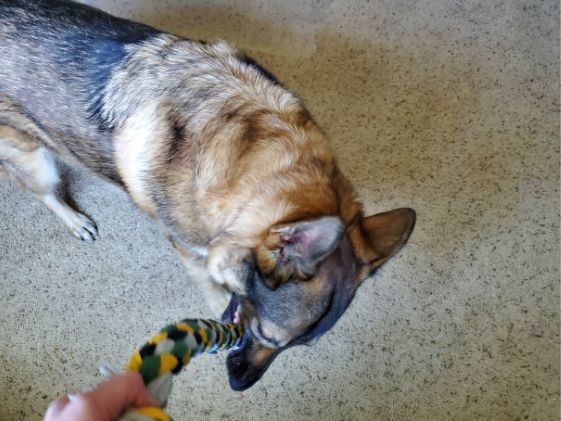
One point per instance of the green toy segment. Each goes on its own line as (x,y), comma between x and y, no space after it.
(172,349)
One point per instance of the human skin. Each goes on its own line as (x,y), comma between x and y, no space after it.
(106,402)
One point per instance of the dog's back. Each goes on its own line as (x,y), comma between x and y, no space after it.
(61,55)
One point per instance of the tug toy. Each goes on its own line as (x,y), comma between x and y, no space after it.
(166,353)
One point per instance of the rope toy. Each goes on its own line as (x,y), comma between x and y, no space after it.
(166,353)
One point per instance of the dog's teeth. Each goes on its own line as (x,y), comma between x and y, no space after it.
(237,315)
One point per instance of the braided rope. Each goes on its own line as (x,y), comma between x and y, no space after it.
(166,353)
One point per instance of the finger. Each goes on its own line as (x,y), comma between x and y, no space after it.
(119,393)
(56,407)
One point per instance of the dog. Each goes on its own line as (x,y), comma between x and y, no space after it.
(208,143)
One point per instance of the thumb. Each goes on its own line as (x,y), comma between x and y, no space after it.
(119,393)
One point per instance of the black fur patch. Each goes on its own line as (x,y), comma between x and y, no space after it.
(177,136)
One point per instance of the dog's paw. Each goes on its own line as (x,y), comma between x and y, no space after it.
(230,267)
(217,298)
(218,306)
(83,227)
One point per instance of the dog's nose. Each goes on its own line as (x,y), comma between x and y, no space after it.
(237,372)
(241,373)
(247,364)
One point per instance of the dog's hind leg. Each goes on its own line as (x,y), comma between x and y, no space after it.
(32,167)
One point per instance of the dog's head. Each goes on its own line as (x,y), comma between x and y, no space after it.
(304,276)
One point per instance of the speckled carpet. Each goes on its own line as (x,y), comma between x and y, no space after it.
(449,107)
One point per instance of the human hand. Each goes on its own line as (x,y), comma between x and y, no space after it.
(106,402)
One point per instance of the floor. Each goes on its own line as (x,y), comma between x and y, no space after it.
(450,107)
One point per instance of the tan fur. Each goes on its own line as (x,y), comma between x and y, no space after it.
(259,161)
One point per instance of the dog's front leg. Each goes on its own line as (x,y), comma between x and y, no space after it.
(216,296)
(230,266)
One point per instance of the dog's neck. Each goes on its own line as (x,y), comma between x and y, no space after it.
(302,202)
(252,156)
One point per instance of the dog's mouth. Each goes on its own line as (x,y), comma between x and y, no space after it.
(242,373)
(233,312)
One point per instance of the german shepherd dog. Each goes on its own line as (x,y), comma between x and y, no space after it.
(208,143)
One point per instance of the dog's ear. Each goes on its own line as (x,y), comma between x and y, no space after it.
(378,237)
(295,249)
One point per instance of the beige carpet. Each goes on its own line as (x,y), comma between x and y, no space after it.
(450,107)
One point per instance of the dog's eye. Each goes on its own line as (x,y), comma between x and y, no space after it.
(263,335)
(266,338)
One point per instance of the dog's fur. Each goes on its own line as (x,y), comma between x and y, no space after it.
(207,142)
